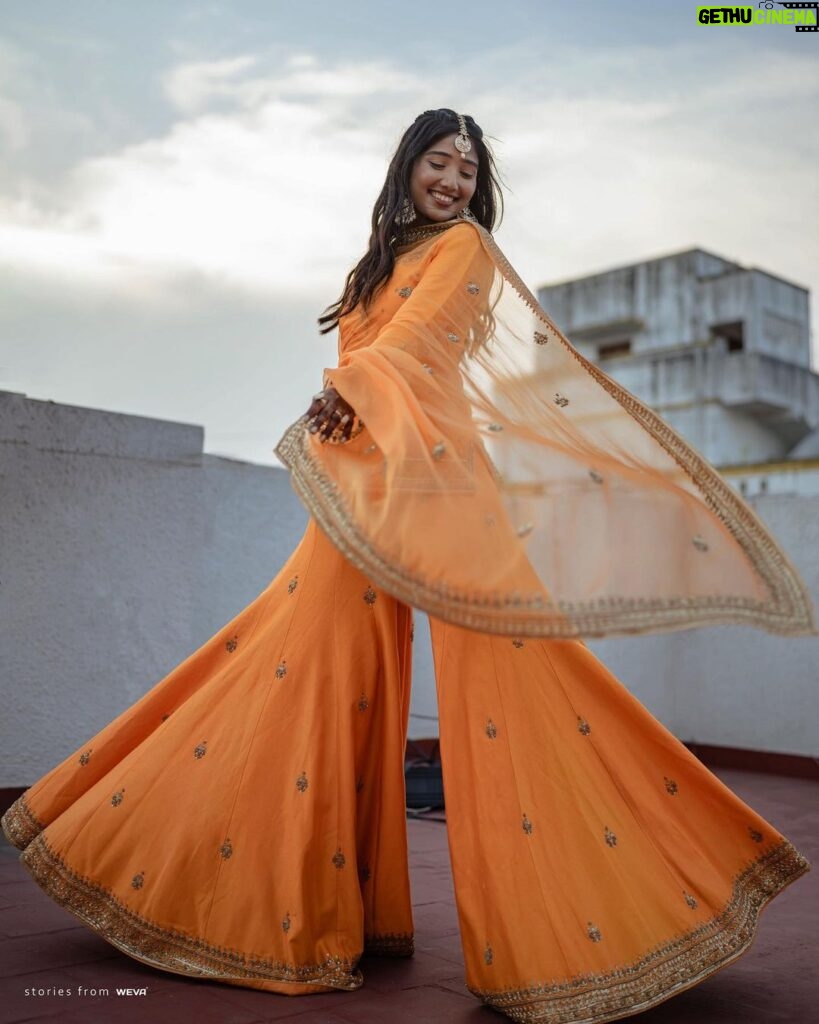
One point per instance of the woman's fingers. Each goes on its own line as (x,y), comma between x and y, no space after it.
(329,411)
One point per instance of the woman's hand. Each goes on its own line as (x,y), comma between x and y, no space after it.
(329,411)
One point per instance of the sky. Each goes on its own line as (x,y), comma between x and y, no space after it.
(184,186)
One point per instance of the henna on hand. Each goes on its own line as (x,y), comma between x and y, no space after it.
(329,411)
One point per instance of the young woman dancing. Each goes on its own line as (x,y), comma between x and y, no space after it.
(245,820)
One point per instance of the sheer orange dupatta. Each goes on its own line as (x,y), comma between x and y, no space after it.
(500,481)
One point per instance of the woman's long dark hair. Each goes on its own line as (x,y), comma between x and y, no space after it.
(376,265)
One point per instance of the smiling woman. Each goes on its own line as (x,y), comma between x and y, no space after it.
(244,821)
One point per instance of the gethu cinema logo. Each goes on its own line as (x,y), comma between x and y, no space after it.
(802,15)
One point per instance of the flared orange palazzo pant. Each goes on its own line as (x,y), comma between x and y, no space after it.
(244,821)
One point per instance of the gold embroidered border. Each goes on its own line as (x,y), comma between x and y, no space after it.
(20,824)
(389,944)
(668,968)
(165,948)
(789,611)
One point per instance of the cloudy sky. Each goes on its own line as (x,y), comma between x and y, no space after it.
(184,185)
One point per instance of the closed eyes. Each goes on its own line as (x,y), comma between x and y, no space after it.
(440,167)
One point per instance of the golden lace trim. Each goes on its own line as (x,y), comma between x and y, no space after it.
(20,824)
(788,612)
(165,948)
(390,944)
(534,615)
(410,236)
(667,969)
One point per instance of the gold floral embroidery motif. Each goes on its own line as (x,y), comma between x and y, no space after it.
(583,726)
(138,880)
(491,729)
(452,336)
(755,835)
(365,873)
(370,595)
(404,292)
(593,932)
(363,703)
(338,859)
(473,287)
(291,586)
(85,756)
(438,450)
(671,785)
(232,644)
(281,671)
(527,825)
(560,400)
(226,849)
(517,643)
(540,339)
(200,749)
(699,542)
(595,476)
(286,922)
(609,836)
(116,799)
(689,899)
(302,783)
(525,529)
(488,955)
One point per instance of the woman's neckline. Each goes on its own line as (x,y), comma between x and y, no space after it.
(410,236)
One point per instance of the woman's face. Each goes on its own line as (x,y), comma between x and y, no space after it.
(442,181)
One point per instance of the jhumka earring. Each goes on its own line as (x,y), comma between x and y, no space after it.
(463,143)
(408,212)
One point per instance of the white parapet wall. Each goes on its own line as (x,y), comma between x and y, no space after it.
(123,548)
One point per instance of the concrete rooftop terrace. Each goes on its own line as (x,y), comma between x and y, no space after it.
(44,946)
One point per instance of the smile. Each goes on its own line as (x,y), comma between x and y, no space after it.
(441,197)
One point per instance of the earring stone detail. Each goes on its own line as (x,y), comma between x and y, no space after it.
(462,141)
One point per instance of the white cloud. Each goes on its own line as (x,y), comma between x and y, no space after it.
(260,192)
(266,180)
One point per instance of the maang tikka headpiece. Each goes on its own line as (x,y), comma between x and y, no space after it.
(462,141)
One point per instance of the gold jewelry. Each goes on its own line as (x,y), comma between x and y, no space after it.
(424,231)
(462,141)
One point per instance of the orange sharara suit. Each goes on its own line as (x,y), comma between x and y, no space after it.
(244,821)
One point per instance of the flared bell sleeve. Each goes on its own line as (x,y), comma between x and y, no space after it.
(501,481)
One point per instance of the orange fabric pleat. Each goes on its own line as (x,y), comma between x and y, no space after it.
(599,866)
(244,821)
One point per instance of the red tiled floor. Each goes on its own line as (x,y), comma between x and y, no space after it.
(43,946)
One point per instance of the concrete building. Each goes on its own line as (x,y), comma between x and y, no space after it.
(721,351)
